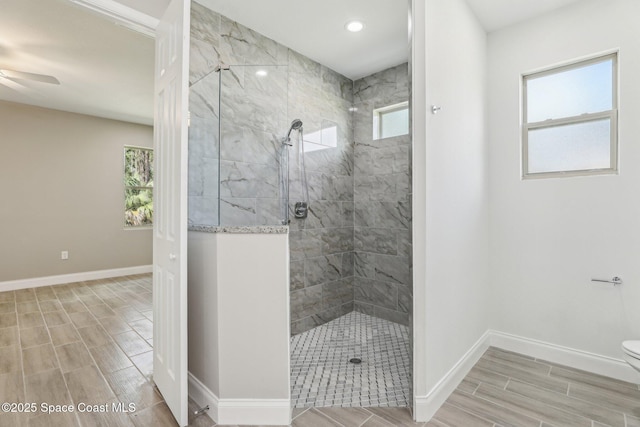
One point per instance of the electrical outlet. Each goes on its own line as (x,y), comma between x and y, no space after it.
(64,255)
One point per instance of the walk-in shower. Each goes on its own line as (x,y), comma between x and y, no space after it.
(285,137)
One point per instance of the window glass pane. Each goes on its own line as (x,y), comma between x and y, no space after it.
(394,123)
(138,167)
(569,93)
(138,186)
(138,207)
(581,146)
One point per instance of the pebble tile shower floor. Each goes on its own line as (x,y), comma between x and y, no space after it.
(321,374)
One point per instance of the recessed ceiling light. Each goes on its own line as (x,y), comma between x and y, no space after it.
(261,73)
(354,26)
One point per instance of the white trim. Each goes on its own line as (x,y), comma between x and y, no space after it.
(426,406)
(419,112)
(254,411)
(611,114)
(202,396)
(240,411)
(579,359)
(123,15)
(36,282)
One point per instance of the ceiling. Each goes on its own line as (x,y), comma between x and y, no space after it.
(316,30)
(497,14)
(106,70)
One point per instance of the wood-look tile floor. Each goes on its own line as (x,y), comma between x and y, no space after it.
(88,342)
(91,342)
(509,389)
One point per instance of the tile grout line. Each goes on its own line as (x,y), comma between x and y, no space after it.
(465,410)
(73,290)
(85,344)
(325,334)
(476,388)
(498,404)
(55,353)
(569,411)
(526,382)
(305,410)
(19,345)
(130,416)
(365,421)
(327,416)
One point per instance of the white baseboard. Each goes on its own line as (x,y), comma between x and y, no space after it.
(36,282)
(579,359)
(254,411)
(201,394)
(240,411)
(424,407)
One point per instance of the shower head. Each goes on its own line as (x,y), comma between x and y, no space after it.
(295,125)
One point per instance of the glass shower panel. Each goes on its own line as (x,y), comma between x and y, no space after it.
(204,150)
(253,120)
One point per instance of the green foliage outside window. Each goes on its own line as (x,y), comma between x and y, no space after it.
(138,186)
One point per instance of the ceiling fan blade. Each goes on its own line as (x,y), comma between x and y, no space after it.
(14,86)
(11,74)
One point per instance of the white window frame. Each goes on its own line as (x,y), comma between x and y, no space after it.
(377,118)
(612,115)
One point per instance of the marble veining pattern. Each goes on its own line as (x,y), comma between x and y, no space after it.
(359,188)
(382,202)
(241,186)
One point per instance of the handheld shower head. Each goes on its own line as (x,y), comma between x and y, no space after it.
(295,125)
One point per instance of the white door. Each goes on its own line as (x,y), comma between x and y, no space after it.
(170,224)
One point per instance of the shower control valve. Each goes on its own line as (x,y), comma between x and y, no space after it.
(301,210)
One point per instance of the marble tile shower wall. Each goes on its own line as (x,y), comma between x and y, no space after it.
(254,114)
(204,108)
(234,181)
(382,196)
(321,245)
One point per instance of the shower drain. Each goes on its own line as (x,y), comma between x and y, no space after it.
(355,360)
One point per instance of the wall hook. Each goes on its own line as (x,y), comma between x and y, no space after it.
(435,109)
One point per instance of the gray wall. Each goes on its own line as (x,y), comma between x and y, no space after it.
(204,108)
(62,189)
(382,195)
(322,245)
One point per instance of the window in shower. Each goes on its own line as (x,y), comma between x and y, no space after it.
(570,120)
(323,138)
(392,120)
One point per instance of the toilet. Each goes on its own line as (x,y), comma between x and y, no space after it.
(631,353)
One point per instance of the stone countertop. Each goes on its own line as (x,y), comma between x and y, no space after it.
(243,229)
